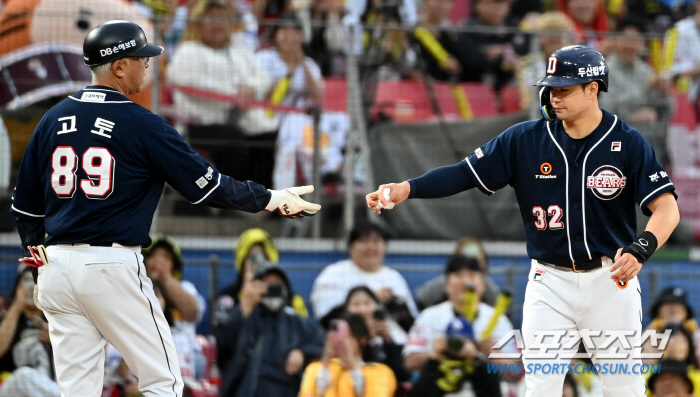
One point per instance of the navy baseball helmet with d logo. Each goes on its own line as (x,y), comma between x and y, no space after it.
(117,39)
(569,66)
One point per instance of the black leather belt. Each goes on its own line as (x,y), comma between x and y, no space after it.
(578,266)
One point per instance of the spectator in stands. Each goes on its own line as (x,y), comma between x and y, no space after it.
(433,292)
(644,102)
(240,140)
(434,16)
(387,338)
(266,13)
(164,264)
(672,307)
(328,37)
(262,344)
(556,31)
(490,57)
(683,41)
(659,16)
(286,60)
(25,350)
(297,83)
(590,21)
(671,381)
(679,349)
(643,98)
(381,41)
(367,246)
(342,371)
(454,366)
(461,273)
(255,249)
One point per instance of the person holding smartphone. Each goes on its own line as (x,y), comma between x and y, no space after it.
(263,345)
(25,350)
(387,338)
(342,371)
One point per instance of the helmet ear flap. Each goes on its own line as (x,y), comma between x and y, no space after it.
(545,106)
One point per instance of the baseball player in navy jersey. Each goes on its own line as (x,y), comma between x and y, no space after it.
(89,184)
(577,174)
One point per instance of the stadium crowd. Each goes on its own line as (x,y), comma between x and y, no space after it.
(362,333)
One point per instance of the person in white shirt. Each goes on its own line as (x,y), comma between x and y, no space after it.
(216,57)
(461,272)
(367,247)
(297,83)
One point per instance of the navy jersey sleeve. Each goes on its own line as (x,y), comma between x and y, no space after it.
(175,162)
(490,166)
(28,199)
(650,179)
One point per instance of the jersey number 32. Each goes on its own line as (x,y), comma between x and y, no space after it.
(554,211)
(98,164)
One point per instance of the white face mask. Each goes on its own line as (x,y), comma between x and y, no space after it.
(274,304)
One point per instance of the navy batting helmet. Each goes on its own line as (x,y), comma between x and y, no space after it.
(572,65)
(117,39)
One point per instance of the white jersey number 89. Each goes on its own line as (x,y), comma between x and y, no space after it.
(98,165)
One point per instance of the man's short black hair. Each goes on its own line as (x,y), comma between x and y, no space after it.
(365,229)
(458,262)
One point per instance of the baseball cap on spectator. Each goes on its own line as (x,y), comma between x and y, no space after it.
(458,262)
(671,295)
(169,245)
(460,326)
(671,367)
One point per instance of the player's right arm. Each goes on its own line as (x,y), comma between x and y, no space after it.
(489,168)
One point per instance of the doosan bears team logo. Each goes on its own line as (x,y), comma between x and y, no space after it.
(606,182)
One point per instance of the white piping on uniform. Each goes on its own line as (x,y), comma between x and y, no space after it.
(26,213)
(99,102)
(566,163)
(641,204)
(477,176)
(218,181)
(583,187)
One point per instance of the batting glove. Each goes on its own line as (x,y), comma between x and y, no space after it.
(288,203)
(37,258)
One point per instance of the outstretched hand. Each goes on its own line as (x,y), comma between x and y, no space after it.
(288,203)
(387,196)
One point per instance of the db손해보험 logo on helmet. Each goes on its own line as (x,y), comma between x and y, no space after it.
(606,182)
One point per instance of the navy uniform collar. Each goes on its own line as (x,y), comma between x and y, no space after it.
(605,123)
(100,94)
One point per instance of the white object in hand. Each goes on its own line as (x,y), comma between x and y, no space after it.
(390,205)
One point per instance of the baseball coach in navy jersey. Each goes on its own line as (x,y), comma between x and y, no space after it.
(578,173)
(87,189)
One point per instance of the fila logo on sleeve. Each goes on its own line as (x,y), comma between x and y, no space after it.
(616,147)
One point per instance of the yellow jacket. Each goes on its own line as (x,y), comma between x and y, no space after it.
(379,381)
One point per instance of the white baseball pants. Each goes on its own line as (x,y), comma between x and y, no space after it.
(568,301)
(91,295)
